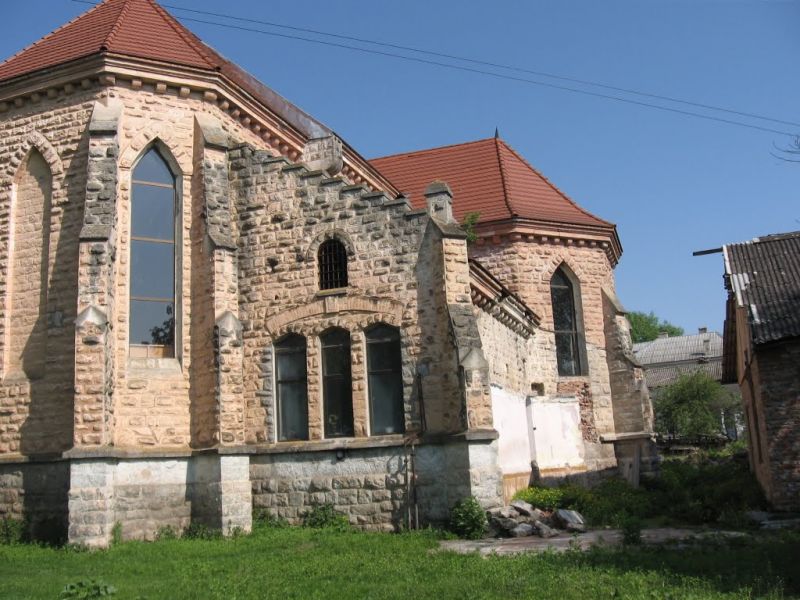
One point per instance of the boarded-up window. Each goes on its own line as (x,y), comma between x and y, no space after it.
(337,387)
(385,380)
(566,324)
(27,338)
(292,388)
(152,307)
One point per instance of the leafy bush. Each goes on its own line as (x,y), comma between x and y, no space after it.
(631,530)
(12,531)
(86,589)
(468,519)
(542,497)
(264,519)
(165,532)
(324,516)
(198,531)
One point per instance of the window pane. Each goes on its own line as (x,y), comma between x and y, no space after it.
(383,356)
(291,365)
(153,212)
(566,354)
(293,411)
(152,270)
(338,395)
(152,323)
(386,403)
(151,167)
(563,309)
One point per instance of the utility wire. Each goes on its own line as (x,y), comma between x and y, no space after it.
(486,64)
(484,72)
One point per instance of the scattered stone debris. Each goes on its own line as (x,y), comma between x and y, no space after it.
(520,519)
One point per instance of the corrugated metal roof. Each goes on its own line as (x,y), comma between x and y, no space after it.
(660,376)
(486,176)
(679,348)
(764,276)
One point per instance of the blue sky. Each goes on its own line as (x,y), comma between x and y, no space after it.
(673,184)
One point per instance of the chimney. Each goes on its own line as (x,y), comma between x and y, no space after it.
(440,201)
(702,330)
(663,334)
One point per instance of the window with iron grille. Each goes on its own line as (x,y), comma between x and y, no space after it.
(332,262)
(570,344)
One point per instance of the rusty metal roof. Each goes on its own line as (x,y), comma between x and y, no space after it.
(763,276)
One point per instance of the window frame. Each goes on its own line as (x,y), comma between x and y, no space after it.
(282,346)
(576,333)
(333,272)
(346,384)
(392,336)
(156,351)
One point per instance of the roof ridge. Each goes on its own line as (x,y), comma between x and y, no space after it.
(56,30)
(552,185)
(506,196)
(437,148)
(206,52)
(115,28)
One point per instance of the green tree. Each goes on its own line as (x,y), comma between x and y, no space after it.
(693,406)
(470,220)
(646,327)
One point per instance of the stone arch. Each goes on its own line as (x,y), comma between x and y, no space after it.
(330,234)
(572,266)
(168,144)
(37,140)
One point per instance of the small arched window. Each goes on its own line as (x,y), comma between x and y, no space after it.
(570,346)
(385,380)
(291,388)
(337,386)
(332,262)
(152,260)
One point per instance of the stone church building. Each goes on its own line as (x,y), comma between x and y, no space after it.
(211,303)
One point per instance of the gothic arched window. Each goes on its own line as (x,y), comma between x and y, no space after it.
(332,263)
(152,259)
(337,386)
(385,380)
(570,348)
(291,388)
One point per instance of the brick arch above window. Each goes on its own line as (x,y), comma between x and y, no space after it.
(168,144)
(330,234)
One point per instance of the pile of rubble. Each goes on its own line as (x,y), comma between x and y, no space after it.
(521,519)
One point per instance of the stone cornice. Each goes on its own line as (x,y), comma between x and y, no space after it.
(115,70)
(544,232)
(497,300)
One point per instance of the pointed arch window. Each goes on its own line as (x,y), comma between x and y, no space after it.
(385,380)
(152,259)
(292,388)
(570,345)
(332,263)
(337,386)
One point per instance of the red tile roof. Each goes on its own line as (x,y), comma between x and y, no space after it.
(486,176)
(137,28)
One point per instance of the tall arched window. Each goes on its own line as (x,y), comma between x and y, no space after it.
(152,260)
(292,388)
(385,380)
(337,386)
(570,348)
(332,263)
(27,336)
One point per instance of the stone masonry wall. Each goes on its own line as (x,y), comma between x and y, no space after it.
(36,415)
(526,268)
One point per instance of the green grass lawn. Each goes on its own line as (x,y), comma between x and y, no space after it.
(307,563)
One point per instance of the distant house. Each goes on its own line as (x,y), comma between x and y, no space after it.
(762,355)
(667,358)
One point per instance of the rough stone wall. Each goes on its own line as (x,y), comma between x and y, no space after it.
(778,372)
(155,405)
(284,212)
(36,415)
(526,267)
(37,493)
